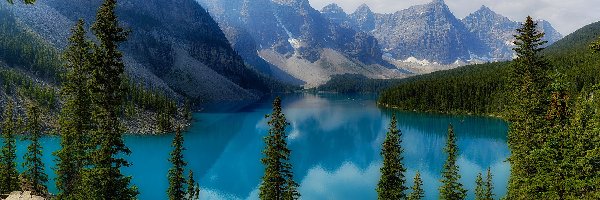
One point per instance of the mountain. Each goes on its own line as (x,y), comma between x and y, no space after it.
(174,46)
(482,88)
(336,14)
(432,33)
(428,32)
(363,18)
(297,41)
(497,31)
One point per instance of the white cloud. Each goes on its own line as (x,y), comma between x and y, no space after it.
(565,15)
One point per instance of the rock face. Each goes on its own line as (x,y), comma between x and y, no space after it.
(363,19)
(293,32)
(428,32)
(496,31)
(172,43)
(431,32)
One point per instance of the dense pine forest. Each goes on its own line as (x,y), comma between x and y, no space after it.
(546,94)
(483,88)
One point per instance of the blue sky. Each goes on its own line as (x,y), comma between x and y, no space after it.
(565,15)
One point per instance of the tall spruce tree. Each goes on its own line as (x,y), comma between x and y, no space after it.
(193,189)
(103,179)
(451,188)
(479,188)
(489,186)
(34,174)
(278,181)
(417,188)
(9,176)
(392,181)
(176,178)
(530,136)
(74,120)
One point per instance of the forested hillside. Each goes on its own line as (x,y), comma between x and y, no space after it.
(481,88)
(549,99)
(31,72)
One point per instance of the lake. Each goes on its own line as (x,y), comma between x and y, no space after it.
(335,141)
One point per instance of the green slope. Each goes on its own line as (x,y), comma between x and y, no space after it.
(480,88)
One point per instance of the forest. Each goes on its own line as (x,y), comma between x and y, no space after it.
(547,95)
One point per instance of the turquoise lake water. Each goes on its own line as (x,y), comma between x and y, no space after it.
(335,142)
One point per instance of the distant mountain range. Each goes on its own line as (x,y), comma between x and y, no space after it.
(215,50)
(298,42)
(294,42)
(431,32)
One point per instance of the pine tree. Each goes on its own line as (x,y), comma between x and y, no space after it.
(479,188)
(193,189)
(596,46)
(489,187)
(278,181)
(176,177)
(392,182)
(103,179)
(417,189)
(530,136)
(34,174)
(582,149)
(24,1)
(451,189)
(74,119)
(9,177)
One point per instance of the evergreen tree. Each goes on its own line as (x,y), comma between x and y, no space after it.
(74,119)
(451,188)
(392,182)
(176,177)
(34,174)
(596,46)
(24,1)
(278,181)
(483,190)
(582,150)
(533,156)
(193,189)
(9,177)
(489,187)
(103,179)
(479,188)
(417,189)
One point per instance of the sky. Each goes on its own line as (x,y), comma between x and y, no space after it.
(565,15)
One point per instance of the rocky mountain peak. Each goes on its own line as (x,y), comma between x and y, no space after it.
(363,8)
(336,14)
(333,9)
(485,9)
(438,3)
(363,18)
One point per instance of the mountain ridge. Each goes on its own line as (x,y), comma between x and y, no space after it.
(167,37)
(408,33)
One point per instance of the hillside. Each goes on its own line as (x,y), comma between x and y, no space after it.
(480,88)
(31,72)
(174,46)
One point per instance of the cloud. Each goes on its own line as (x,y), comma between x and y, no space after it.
(565,15)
